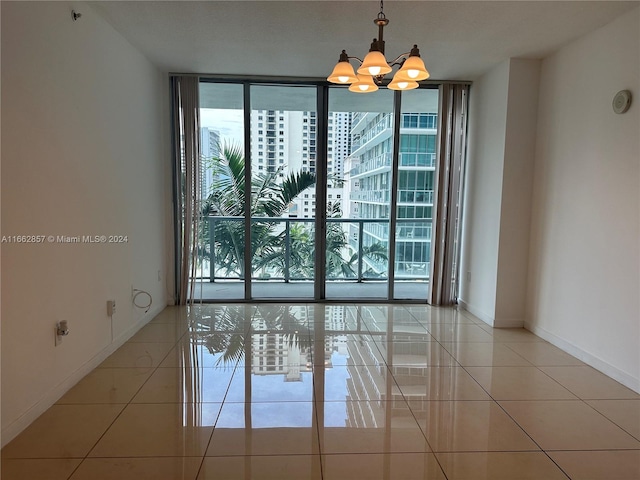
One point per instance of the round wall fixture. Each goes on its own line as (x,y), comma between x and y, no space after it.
(622,101)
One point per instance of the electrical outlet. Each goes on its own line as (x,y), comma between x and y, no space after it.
(62,330)
(111,307)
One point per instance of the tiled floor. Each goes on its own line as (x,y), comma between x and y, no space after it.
(333,392)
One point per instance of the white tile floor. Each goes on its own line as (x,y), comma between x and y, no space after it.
(333,392)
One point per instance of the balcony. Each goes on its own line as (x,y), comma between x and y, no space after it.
(359,258)
(374,135)
(423,197)
(417,159)
(408,161)
(371,165)
(371,196)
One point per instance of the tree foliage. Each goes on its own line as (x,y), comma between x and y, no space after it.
(271,197)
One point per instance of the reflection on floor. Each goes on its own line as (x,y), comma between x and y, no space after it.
(333,392)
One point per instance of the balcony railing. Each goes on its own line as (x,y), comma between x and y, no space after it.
(360,234)
(419,160)
(415,196)
(379,161)
(375,196)
(385,123)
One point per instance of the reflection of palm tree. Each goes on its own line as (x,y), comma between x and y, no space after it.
(224,332)
(230,329)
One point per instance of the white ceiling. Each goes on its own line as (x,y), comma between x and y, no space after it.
(457,40)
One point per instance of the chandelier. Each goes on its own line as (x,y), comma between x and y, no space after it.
(374,67)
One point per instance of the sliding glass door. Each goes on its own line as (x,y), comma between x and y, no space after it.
(359,179)
(283,181)
(416,179)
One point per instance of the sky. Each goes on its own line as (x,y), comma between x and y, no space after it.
(228,122)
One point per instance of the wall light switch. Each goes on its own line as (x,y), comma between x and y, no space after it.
(111,307)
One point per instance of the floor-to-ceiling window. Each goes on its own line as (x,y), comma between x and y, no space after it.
(288,166)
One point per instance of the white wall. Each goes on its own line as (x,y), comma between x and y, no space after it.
(483,192)
(584,270)
(83,150)
(502,128)
(517,185)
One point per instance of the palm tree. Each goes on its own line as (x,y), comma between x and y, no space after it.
(337,266)
(268,198)
(271,199)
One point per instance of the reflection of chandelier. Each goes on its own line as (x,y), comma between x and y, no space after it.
(374,66)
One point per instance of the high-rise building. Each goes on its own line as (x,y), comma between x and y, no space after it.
(370,183)
(209,148)
(359,156)
(287,140)
(338,150)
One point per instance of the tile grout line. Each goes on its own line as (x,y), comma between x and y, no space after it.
(495,401)
(390,372)
(514,420)
(314,390)
(247,335)
(129,402)
(585,401)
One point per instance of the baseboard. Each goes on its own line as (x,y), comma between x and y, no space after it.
(588,358)
(508,323)
(491,321)
(53,395)
(488,319)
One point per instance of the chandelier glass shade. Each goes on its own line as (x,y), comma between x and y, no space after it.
(343,71)
(402,84)
(374,64)
(364,84)
(374,67)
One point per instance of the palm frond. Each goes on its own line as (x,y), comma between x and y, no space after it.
(294,184)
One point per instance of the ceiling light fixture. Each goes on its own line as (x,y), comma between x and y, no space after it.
(374,67)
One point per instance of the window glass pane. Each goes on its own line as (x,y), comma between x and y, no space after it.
(221,242)
(359,169)
(283,192)
(415,193)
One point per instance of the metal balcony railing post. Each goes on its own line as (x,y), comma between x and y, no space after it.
(212,249)
(360,235)
(287,250)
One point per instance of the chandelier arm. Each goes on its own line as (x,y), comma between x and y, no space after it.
(399,60)
(357,58)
